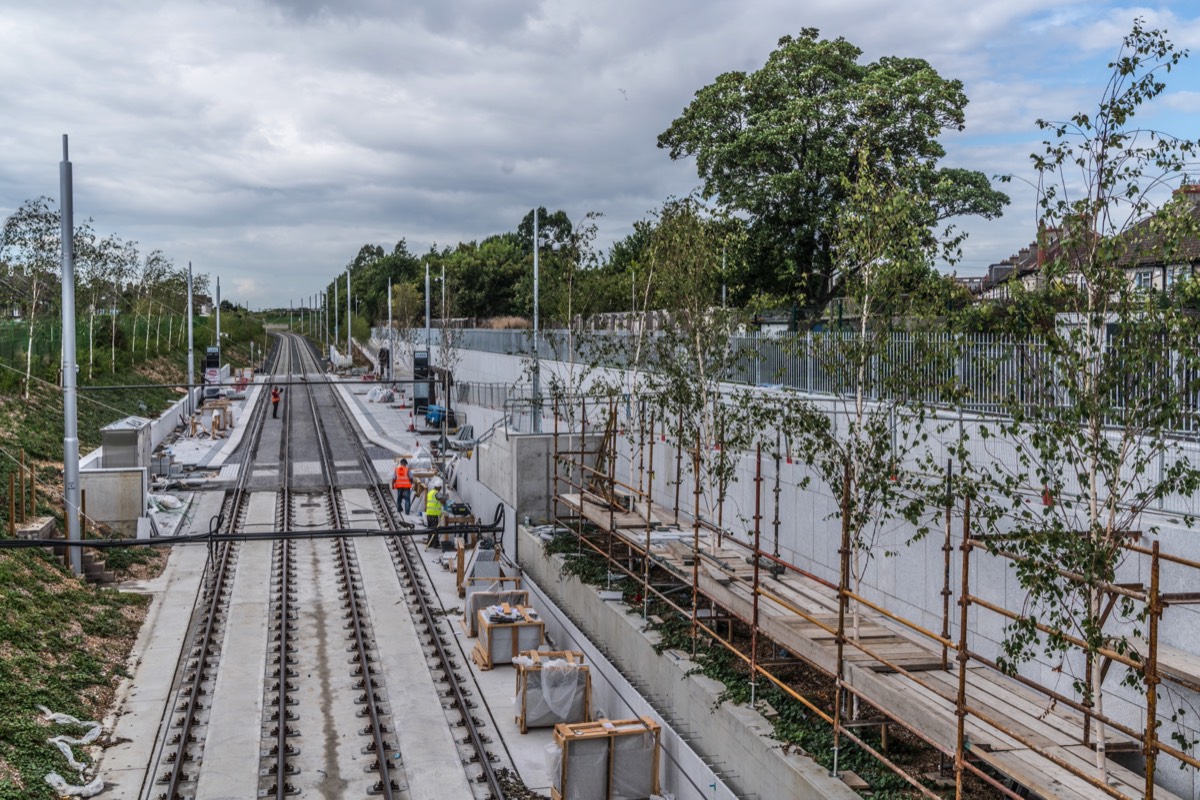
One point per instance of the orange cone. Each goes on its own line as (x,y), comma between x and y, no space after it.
(412,428)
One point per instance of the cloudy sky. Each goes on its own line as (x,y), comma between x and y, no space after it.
(267,141)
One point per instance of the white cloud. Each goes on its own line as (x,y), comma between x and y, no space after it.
(256,137)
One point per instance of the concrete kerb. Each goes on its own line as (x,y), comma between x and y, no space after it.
(737,736)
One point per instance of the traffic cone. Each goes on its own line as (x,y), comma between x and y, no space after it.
(402,405)
(412,428)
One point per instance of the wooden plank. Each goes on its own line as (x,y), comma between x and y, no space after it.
(1010,762)
(1174,664)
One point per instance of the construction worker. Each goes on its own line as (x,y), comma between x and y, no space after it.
(433,503)
(402,483)
(275,402)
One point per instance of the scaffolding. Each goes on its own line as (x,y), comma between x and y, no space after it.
(1007,731)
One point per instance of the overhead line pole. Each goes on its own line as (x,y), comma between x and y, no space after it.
(537,363)
(191,372)
(71,490)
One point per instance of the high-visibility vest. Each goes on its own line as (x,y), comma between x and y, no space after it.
(402,480)
(433,506)
(275,396)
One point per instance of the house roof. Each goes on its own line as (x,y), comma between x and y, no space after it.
(1148,243)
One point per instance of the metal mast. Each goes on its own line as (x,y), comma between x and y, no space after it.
(70,392)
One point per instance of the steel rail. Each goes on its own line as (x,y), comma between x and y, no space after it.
(444,657)
(369,698)
(281,750)
(208,626)
(345,557)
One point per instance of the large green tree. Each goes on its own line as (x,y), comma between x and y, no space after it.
(780,145)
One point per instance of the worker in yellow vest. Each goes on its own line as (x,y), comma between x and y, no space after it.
(433,503)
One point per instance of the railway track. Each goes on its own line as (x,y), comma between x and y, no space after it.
(321,690)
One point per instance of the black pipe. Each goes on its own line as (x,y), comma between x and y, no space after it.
(497,526)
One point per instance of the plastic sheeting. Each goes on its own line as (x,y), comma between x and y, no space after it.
(164,502)
(555,693)
(380,394)
(64,744)
(633,767)
(64,789)
(587,769)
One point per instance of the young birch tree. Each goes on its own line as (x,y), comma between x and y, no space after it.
(31,246)
(883,251)
(1101,447)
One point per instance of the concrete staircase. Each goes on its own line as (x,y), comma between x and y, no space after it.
(94,570)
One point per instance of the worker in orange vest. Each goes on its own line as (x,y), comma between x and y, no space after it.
(275,402)
(402,483)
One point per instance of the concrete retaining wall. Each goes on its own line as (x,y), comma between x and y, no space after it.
(904,575)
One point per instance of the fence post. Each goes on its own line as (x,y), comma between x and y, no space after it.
(22,473)
(808,362)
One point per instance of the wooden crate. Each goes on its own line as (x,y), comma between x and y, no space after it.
(499,642)
(529,682)
(480,599)
(606,760)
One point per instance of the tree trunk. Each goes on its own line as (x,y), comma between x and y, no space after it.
(29,344)
(1096,679)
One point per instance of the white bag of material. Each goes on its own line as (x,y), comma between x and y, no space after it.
(379,394)
(163,502)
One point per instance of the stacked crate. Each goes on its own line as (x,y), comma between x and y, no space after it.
(552,687)
(605,760)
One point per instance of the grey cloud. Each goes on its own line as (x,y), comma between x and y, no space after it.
(253,137)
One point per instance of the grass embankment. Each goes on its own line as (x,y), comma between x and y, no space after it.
(64,643)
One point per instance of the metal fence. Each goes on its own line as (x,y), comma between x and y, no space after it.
(979,372)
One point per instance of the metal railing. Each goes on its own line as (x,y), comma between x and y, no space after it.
(978,373)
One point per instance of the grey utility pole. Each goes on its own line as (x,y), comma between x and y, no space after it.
(427,340)
(349,320)
(70,392)
(191,356)
(391,343)
(537,363)
(218,343)
(336,321)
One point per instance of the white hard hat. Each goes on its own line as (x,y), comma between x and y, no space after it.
(436,483)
